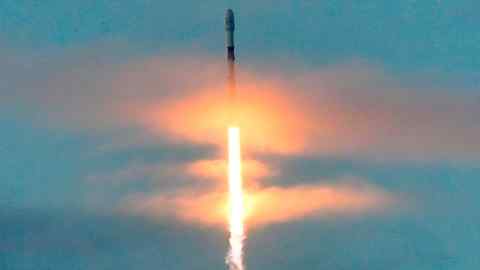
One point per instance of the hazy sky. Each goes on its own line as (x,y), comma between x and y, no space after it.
(110,106)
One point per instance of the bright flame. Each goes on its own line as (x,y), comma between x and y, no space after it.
(236,214)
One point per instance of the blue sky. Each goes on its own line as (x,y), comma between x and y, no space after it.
(398,79)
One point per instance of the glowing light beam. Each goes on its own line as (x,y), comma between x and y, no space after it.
(236,208)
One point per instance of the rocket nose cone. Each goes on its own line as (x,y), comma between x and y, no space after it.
(229,20)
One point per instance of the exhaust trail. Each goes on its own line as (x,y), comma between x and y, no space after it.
(234,257)
(236,215)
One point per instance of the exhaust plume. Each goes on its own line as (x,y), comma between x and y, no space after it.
(236,209)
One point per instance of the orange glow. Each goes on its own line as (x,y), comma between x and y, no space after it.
(273,119)
(270,205)
(277,205)
(262,109)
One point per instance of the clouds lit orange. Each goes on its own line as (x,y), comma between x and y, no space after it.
(266,117)
(345,109)
(269,205)
(330,111)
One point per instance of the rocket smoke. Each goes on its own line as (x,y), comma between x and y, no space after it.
(234,257)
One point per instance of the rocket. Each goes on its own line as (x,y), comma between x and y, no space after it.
(230,28)
(229,42)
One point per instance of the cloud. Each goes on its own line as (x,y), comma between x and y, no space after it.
(342,110)
(283,204)
(345,109)
(266,205)
(350,109)
(261,109)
